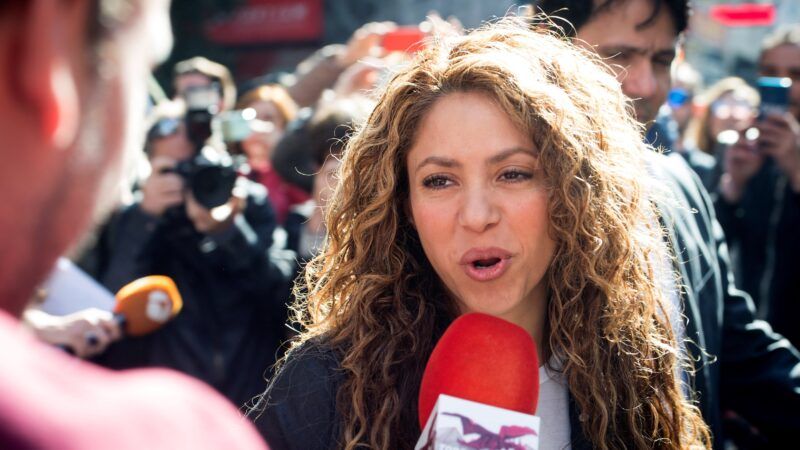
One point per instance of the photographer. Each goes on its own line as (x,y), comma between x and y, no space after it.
(199,72)
(759,194)
(234,292)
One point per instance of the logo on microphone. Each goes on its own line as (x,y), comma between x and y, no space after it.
(159,306)
(510,437)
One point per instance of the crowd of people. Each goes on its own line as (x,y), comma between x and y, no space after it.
(564,168)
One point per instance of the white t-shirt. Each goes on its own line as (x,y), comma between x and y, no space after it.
(553,410)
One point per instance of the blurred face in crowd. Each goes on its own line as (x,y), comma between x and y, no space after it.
(639,55)
(69,107)
(188,81)
(784,61)
(267,130)
(325,181)
(479,205)
(175,146)
(730,112)
(680,104)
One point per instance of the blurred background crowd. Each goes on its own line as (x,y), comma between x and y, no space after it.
(250,114)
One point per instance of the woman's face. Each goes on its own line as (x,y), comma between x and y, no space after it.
(268,129)
(729,112)
(479,204)
(325,182)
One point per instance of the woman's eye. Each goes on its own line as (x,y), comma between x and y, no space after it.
(436,182)
(515,175)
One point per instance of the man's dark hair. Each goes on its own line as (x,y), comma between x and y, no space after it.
(580,12)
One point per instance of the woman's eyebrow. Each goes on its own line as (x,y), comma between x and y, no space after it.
(438,161)
(450,162)
(505,154)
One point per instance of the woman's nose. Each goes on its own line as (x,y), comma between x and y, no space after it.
(479,210)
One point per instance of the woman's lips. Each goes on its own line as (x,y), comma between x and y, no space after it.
(485,264)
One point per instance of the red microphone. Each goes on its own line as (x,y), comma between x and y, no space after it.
(491,364)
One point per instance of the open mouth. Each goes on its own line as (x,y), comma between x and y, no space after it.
(485,263)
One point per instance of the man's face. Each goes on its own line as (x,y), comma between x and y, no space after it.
(639,55)
(784,61)
(188,81)
(116,107)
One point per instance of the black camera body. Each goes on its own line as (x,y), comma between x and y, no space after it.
(209,175)
(211,181)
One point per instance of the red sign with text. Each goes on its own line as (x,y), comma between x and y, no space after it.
(268,21)
(744,14)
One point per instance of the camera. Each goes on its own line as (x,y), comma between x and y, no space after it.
(202,104)
(209,176)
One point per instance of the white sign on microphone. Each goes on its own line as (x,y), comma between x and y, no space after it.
(457,424)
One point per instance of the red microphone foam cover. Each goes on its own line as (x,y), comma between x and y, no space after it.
(483,359)
(147,304)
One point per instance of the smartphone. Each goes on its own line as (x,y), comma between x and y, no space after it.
(774,93)
(407,39)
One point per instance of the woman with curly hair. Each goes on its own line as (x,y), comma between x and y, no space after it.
(501,173)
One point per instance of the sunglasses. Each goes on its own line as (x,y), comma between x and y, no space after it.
(678,97)
(163,128)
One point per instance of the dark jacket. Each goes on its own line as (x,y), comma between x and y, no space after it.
(234,294)
(664,135)
(745,367)
(763,231)
(298,411)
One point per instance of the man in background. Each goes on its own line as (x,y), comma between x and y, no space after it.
(756,372)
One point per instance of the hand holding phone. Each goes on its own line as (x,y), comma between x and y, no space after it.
(407,39)
(774,94)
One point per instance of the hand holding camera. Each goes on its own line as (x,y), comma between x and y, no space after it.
(218,219)
(163,189)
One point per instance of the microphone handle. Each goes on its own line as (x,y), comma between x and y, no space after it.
(122,322)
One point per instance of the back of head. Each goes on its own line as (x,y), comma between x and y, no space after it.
(315,136)
(373,292)
(72,101)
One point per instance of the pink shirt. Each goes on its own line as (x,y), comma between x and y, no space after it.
(49,400)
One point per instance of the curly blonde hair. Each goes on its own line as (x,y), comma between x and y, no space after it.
(373,296)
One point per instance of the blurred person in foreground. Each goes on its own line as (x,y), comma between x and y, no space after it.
(504,152)
(759,194)
(72,84)
(234,292)
(742,365)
